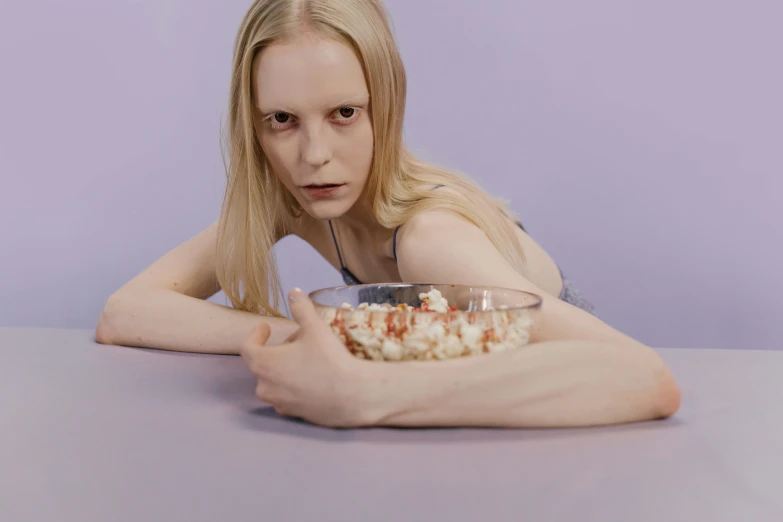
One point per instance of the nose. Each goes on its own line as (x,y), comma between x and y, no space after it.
(316,149)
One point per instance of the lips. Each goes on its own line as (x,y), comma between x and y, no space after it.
(323,185)
(320,191)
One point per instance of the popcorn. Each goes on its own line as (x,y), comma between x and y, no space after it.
(434,301)
(433,331)
(391,351)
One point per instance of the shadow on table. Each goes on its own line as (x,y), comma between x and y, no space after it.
(265,419)
(238,391)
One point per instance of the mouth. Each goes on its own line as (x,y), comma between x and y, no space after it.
(322,190)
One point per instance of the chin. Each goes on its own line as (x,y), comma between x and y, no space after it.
(325,210)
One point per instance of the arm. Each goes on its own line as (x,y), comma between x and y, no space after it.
(548,384)
(576,371)
(164,306)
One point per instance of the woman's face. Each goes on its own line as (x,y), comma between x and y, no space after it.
(313,122)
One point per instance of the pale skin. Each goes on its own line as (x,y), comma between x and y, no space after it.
(314,126)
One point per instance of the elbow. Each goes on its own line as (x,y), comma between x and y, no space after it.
(657,395)
(106,329)
(102,333)
(667,397)
(654,393)
(661,396)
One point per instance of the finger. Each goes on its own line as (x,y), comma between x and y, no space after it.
(260,334)
(294,336)
(266,392)
(302,309)
(270,394)
(281,410)
(271,359)
(258,337)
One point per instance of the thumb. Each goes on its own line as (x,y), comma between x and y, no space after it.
(302,308)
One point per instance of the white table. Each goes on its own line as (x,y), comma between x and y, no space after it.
(110,434)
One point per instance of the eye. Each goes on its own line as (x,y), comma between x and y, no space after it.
(345,115)
(280,121)
(347,112)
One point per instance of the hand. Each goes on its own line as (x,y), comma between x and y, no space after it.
(311,375)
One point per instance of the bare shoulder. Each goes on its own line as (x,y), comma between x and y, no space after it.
(442,239)
(426,223)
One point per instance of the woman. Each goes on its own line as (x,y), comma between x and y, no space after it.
(315,149)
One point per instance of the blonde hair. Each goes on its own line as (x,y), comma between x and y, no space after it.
(256,204)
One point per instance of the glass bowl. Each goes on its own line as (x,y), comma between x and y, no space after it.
(476,320)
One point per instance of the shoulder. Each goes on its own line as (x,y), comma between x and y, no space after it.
(424,224)
(429,222)
(441,245)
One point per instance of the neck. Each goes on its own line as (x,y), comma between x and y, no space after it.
(360,218)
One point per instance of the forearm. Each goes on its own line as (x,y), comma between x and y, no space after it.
(168,320)
(551,384)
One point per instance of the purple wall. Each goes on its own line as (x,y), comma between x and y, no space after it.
(641,142)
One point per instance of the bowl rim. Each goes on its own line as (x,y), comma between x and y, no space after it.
(538,299)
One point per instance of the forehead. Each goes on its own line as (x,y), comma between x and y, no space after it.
(309,72)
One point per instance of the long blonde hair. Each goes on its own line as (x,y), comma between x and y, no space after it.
(256,205)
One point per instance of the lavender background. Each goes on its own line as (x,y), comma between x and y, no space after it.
(641,142)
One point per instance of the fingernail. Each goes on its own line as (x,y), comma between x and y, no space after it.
(296,294)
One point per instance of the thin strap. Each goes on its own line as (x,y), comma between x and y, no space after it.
(336,245)
(394,243)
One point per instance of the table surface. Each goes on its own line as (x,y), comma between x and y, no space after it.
(102,433)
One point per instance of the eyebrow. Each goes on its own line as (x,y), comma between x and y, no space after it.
(362,99)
